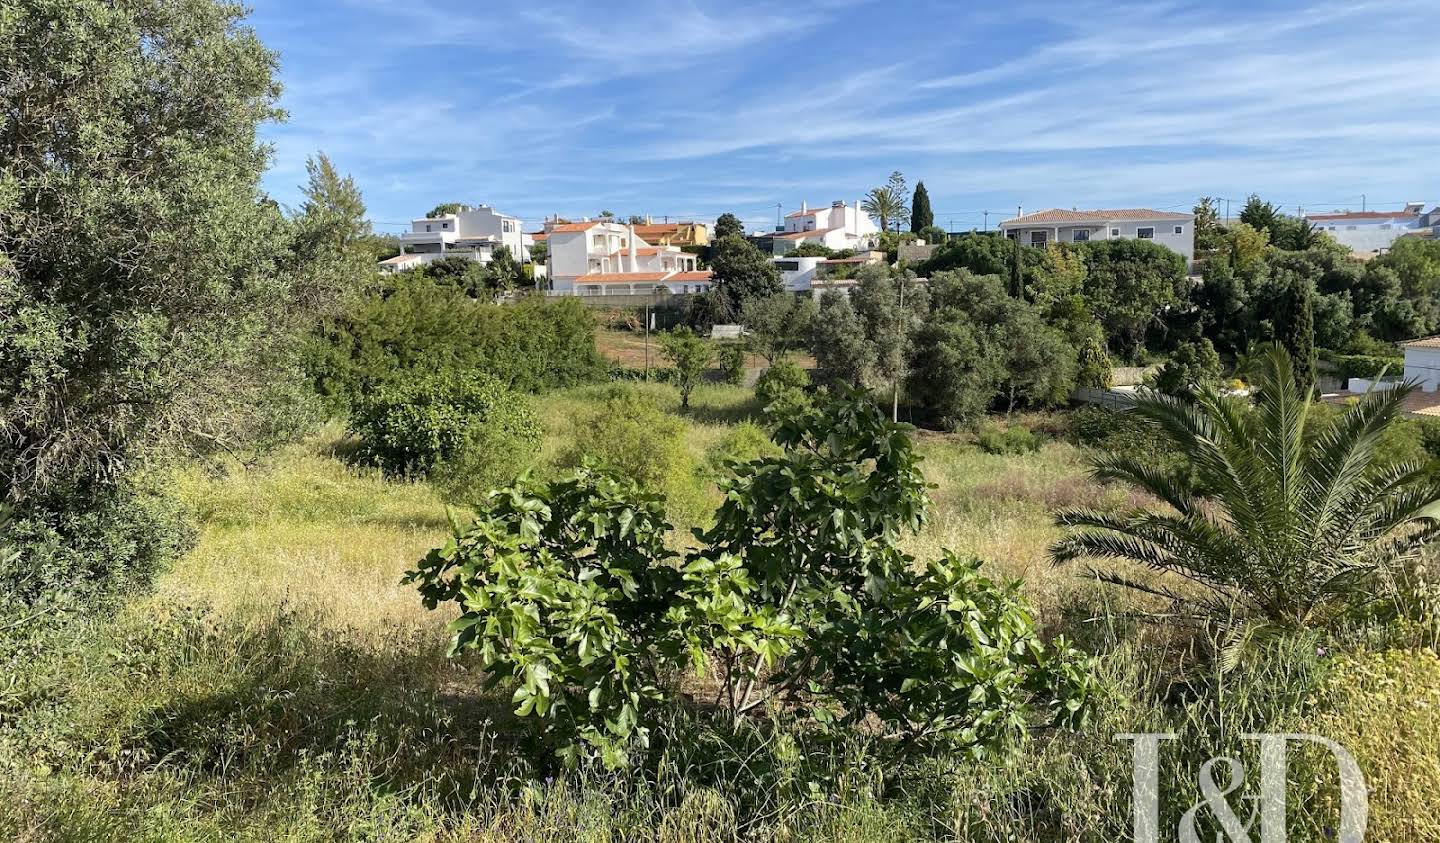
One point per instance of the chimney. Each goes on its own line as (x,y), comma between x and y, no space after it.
(649,220)
(634,253)
(804,206)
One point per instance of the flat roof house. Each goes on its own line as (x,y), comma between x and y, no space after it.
(1174,231)
(1376,231)
(837,227)
(473,233)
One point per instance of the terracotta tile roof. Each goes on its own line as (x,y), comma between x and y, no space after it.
(801,235)
(659,228)
(1364,215)
(399,259)
(698,275)
(566,228)
(1423,342)
(1057,215)
(539,236)
(620,277)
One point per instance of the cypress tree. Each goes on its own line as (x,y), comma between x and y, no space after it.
(920,213)
(1295,330)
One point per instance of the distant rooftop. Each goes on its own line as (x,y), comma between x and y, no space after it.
(1057,215)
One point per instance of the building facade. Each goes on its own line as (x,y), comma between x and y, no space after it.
(472,233)
(1376,231)
(840,226)
(610,258)
(1173,231)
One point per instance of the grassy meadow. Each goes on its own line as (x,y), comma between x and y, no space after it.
(279,684)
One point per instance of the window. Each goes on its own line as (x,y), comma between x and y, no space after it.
(787,266)
(427,226)
(1386,225)
(1013,235)
(1349,228)
(1037,238)
(1079,235)
(1179,229)
(598,241)
(1147,233)
(1114,232)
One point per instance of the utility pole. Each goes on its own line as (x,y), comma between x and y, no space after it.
(987,220)
(779,221)
(1227,211)
(647,339)
(1362,203)
(900,316)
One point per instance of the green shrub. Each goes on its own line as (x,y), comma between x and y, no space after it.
(784,386)
(533,345)
(1364,365)
(744,442)
(1013,439)
(732,363)
(464,431)
(76,557)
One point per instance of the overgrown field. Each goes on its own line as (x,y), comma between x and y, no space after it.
(281,684)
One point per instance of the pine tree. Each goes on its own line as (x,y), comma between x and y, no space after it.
(921,216)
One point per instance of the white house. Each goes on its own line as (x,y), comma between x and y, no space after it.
(473,233)
(839,226)
(814,274)
(1422,362)
(1174,231)
(607,258)
(1377,231)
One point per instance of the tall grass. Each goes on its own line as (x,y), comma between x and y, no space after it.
(280,685)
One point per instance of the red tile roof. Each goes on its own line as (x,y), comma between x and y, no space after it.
(1423,342)
(698,275)
(398,259)
(566,228)
(643,250)
(1057,215)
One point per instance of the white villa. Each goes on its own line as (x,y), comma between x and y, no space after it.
(1174,231)
(817,274)
(473,233)
(837,227)
(1377,231)
(607,258)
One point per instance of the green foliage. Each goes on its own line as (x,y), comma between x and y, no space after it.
(838,341)
(744,442)
(783,386)
(890,308)
(445,208)
(568,591)
(1094,367)
(533,345)
(921,217)
(690,354)
(466,430)
(1193,366)
(1261,216)
(982,254)
(628,432)
(1245,246)
(1254,522)
(1013,439)
(1365,366)
(1128,285)
(779,324)
(1209,232)
(728,225)
(810,250)
(885,205)
(742,273)
(1295,330)
(731,359)
(933,234)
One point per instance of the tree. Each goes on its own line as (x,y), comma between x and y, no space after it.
(900,191)
(728,225)
(1209,232)
(445,208)
(742,273)
(778,324)
(982,254)
(1270,520)
(1246,246)
(810,250)
(933,235)
(1094,367)
(690,354)
(890,308)
(838,342)
(1193,366)
(1295,330)
(332,238)
(1129,285)
(884,206)
(921,217)
(1261,216)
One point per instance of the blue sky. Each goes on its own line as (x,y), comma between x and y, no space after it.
(688,109)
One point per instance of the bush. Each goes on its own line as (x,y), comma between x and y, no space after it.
(466,432)
(533,345)
(75,557)
(628,431)
(1365,366)
(732,363)
(746,441)
(784,383)
(1014,439)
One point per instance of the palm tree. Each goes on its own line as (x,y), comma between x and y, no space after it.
(1274,520)
(884,205)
